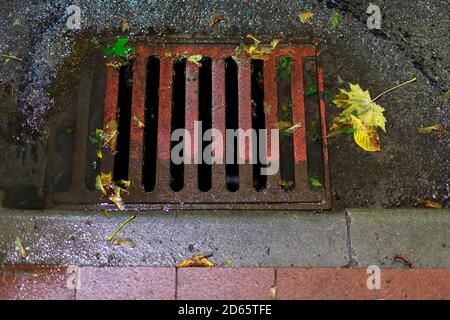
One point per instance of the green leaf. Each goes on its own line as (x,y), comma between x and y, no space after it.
(314,181)
(310,91)
(336,19)
(119,49)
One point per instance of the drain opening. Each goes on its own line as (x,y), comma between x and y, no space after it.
(232,120)
(205,116)
(121,158)
(178,119)
(313,124)
(151,124)
(287,169)
(258,118)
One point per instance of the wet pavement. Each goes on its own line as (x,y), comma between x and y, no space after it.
(413,42)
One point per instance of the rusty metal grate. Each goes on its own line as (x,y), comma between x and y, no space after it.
(151,80)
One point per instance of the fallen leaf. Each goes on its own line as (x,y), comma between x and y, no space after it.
(310,91)
(16,22)
(305,17)
(314,181)
(358,102)
(125,25)
(335,19)
(111,190)
(430,204)
(196,58)
(195,261)
(22,252)
(446,96)
(274,43)
(273,292)
(286,185)
(436,127)
(123,242)
(366,137)
(404,260)
(215,19)
(99,154)
(138,122)
(257,52)
(110,139)
(229,262)
(119,49)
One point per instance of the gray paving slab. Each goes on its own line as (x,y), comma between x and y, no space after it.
(163,239)
(421,236)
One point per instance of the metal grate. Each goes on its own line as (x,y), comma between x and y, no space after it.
(149,85)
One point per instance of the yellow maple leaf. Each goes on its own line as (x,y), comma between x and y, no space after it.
(358,102)
(365,136)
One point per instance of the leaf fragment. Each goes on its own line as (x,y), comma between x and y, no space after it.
(99,154)
(138,122)
(21,249)
(196,262)
(306,16)
(215,19)
(446,96)
(430,204)
(123,242)
(310,91)
(125,25)
(335,19)
(119,49)
(436,127)
(314,181)
(196,58)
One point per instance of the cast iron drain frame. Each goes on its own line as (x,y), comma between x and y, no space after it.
(303,197)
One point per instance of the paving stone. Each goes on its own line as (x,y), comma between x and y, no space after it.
(249,239)
(423,284)
(322,284)
(225,283)
(421,236)
(126,283)
(32,282)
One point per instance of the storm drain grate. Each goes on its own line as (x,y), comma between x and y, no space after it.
(164,91)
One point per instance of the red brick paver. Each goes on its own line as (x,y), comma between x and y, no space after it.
(31,282)
(46,282)
(225,283)
(126,283)
(322,284)
(415,284)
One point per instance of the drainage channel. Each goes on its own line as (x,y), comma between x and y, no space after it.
(152,98)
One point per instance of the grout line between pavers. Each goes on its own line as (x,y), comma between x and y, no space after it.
(176,283)
(275,282)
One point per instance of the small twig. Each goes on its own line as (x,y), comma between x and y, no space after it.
(7,56)
(396,87)
(123,224)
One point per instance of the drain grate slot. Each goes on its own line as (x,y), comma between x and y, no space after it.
(151,124)
(166,94)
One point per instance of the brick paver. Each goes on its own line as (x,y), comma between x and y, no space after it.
(322,284)
(126,283)
(31,282)
(46,282)
(225,283)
